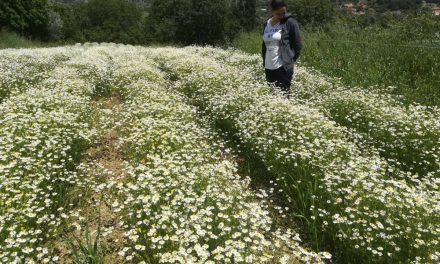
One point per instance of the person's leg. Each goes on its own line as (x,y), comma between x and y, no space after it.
(288,81)
(284,80)
(271,76)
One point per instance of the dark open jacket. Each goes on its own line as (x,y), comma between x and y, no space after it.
(290,44)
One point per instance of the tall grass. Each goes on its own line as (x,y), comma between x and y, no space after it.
(249,42)
(377,57)
(12,40)
(399,58)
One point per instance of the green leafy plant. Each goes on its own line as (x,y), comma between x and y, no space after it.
(88,251)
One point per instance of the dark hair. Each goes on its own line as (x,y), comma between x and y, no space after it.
(275,4)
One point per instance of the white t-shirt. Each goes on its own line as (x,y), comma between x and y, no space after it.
(272,38)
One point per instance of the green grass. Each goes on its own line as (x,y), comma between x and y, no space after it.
(394,59)
(249,42)
(12,40)
(374,57)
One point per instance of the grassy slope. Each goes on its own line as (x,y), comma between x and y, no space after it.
(368,59)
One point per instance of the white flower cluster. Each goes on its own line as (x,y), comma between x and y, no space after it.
(43,132)
(23,68)
(408,136)
(357,202)
(183,201)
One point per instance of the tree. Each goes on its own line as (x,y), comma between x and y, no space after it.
(73,20)
(398,4)
(313,13)
(55,26)
(27,17)
(112,21)
(199,21)
(168,20)
(243,13)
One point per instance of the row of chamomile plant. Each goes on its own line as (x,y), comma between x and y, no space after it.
(21,69)
(407,135)
(183,201)
(44,132)
(354,203)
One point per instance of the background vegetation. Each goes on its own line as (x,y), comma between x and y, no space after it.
(121,21)
(29,18)
(393,45)
(401,57)
(395,52)
(11,39)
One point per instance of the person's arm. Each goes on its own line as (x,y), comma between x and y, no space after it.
(295,38)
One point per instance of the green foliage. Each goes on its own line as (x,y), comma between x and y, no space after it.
(12,40)
(88,252)
(241,17)
(199,22)
(249,42)
(404,55)
(102,21)
(27,17)
(112,20)
(73,19)
(186,21)
(417,27)
(398,4)
(55,26)
(312,13)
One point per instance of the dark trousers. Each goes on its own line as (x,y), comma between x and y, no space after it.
(281,77)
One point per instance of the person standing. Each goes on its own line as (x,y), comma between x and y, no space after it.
(281,46)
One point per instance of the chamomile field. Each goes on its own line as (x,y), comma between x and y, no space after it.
(126,154)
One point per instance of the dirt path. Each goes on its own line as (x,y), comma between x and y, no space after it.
(103,168)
